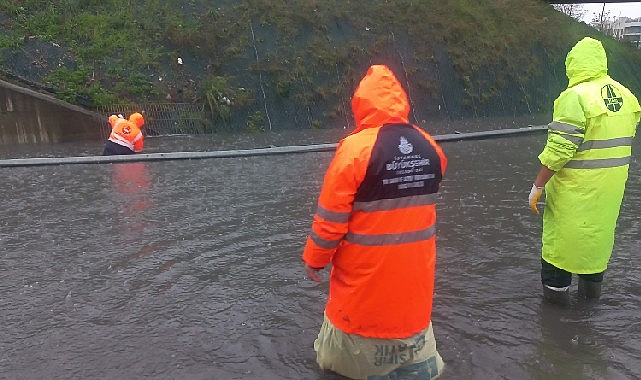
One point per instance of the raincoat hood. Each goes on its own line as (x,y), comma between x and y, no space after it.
(137,119)
(379,99)
(586,60)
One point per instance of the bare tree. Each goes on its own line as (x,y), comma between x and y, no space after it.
(576,11)
(601,21)
(604,22)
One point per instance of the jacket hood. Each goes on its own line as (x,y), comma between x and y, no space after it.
(587,60)
(137,119)
(379,99)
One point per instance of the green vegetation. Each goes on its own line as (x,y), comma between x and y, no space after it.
(302,57)
(256,122)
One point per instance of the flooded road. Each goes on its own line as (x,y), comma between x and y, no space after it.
(192,270)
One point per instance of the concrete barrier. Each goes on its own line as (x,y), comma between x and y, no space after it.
(30,117)
(40,161)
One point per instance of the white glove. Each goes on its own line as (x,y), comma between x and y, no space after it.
(535,194)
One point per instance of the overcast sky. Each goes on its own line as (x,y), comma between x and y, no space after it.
(632,10)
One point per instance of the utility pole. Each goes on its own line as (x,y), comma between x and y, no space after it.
(601,19)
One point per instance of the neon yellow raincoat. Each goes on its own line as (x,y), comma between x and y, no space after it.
(589,147)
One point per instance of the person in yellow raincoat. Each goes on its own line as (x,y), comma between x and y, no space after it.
(584,169)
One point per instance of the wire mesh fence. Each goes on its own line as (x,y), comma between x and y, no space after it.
(161,119)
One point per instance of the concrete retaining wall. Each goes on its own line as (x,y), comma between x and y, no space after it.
(30,117)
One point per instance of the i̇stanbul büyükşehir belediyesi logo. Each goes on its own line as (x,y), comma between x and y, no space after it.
(611,98)
(405,146)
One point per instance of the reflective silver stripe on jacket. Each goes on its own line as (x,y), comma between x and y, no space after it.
(324,243)
(601,144)
(391,239)
(332,216)
(379,205)
(598,163)
(576,140)
(397,203)
(116,138)
(563,127)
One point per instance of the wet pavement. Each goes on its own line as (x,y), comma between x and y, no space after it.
(191,269)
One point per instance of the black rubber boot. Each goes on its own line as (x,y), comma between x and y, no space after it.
(556,297)
(589,290)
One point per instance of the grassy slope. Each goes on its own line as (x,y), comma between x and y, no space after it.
(260,62)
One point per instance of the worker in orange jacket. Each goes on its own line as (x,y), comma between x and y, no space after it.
(126,136)
(375,224)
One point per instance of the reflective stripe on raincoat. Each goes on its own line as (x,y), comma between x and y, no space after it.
(589,147)
(375,221)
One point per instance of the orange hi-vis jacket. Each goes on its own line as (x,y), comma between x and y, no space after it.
(376,215)
(125,133)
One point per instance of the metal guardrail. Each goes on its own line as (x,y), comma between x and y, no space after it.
(39,161)
(161,118)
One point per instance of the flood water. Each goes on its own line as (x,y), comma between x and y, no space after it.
(192,269)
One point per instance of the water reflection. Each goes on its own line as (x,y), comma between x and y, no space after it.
(130,183)
(566,334)
(191,269)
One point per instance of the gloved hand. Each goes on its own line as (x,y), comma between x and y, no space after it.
(535,194)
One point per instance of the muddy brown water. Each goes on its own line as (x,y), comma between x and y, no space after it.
(191,269)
